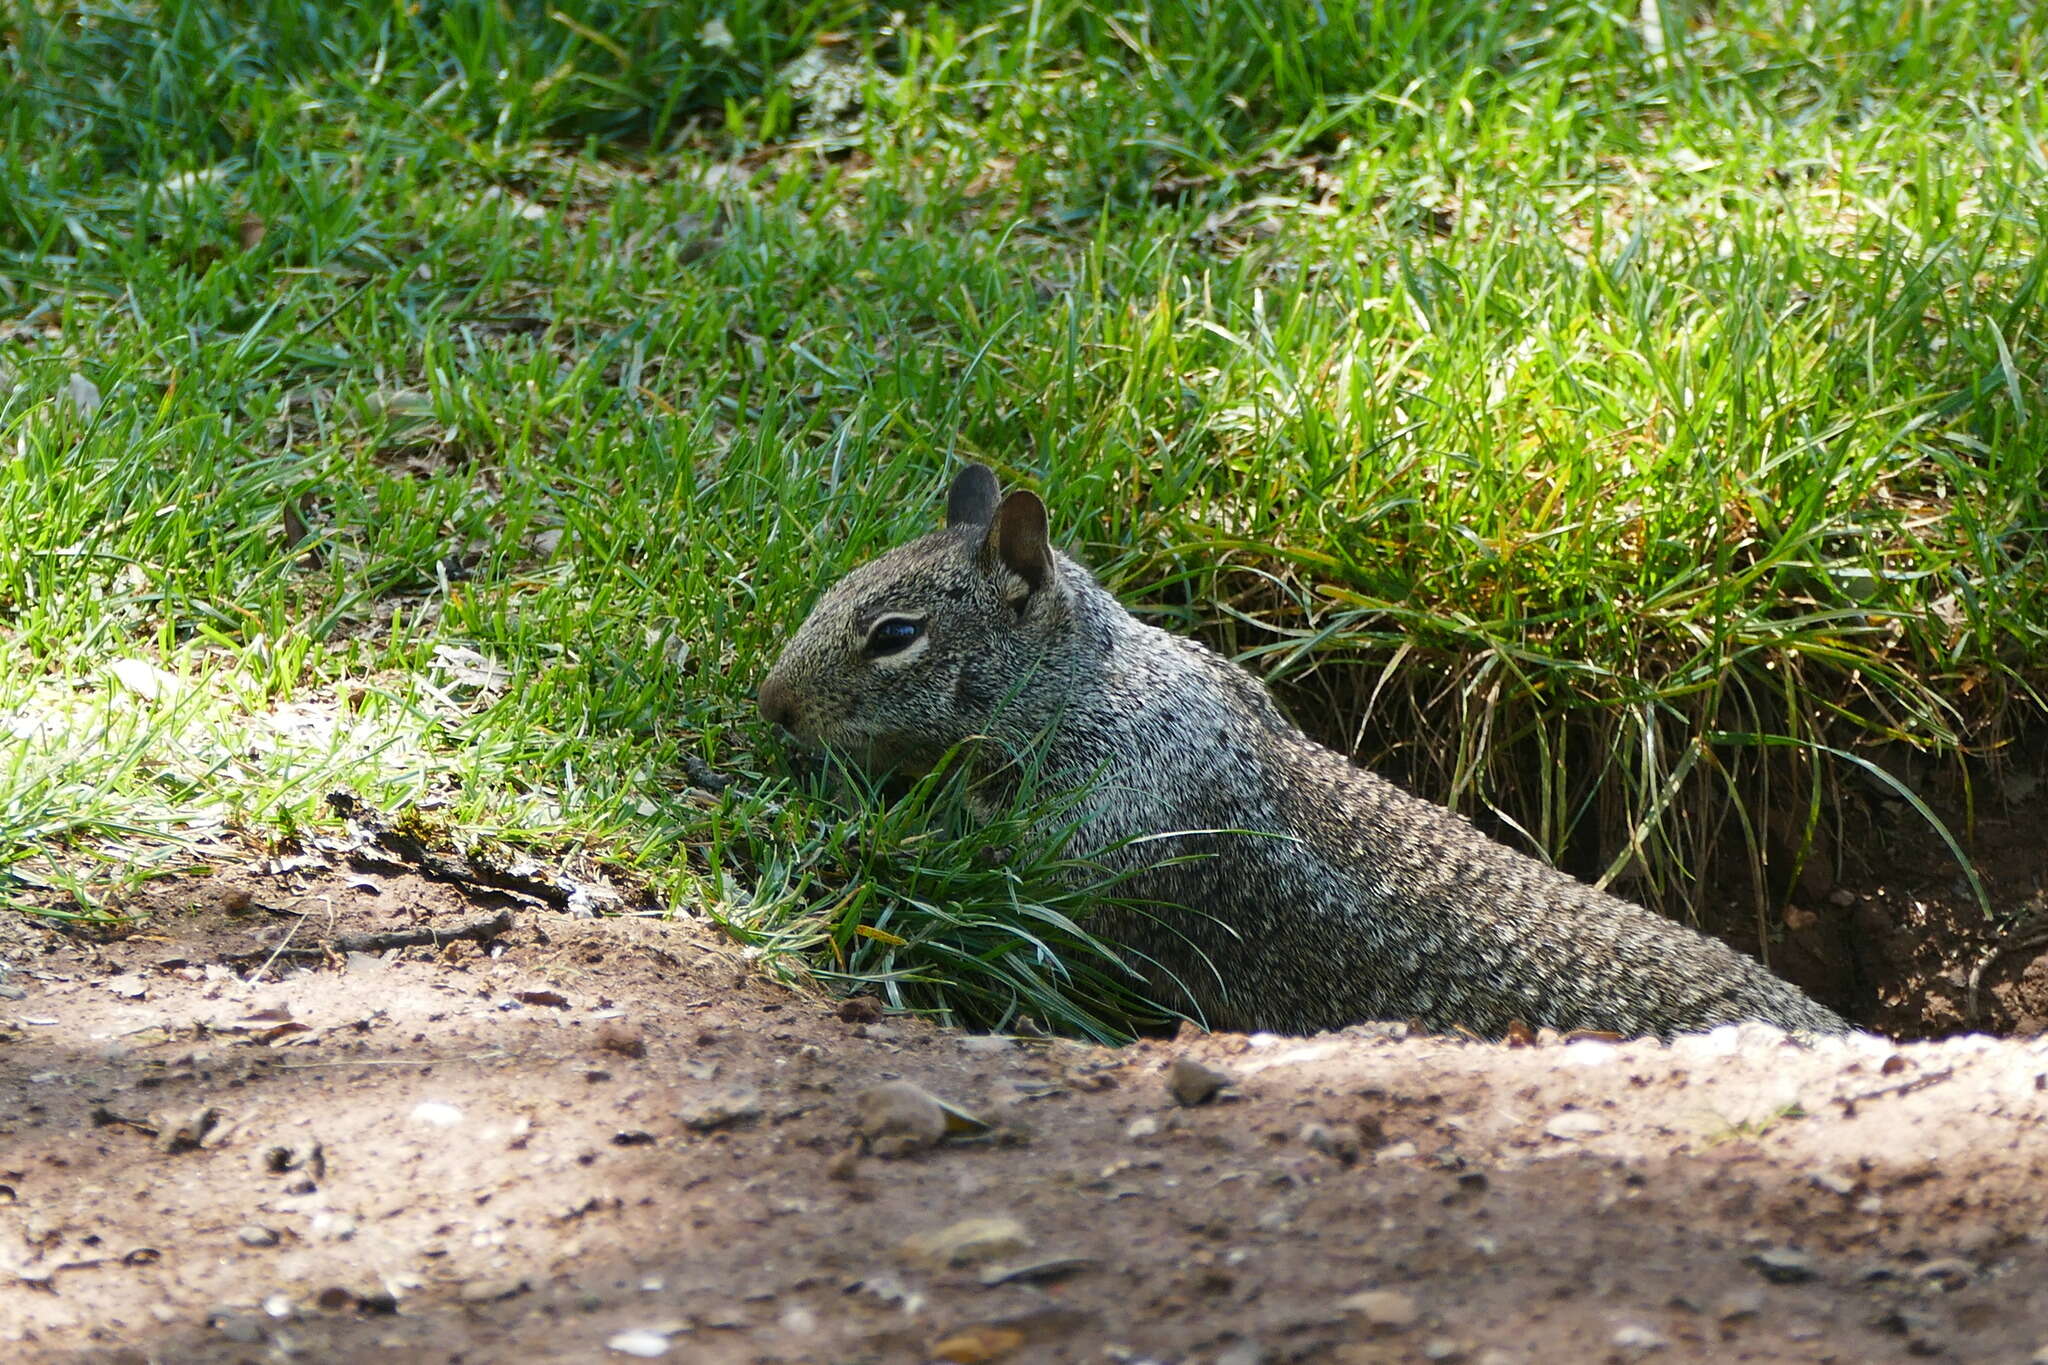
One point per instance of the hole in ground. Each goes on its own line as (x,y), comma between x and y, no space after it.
(1877,919)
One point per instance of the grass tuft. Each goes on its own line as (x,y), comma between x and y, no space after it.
(980,923)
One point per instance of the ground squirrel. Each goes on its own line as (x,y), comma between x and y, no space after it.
(1297,891)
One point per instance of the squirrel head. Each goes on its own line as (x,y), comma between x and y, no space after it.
(931,644)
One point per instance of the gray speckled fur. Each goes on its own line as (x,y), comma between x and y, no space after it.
(1320,896)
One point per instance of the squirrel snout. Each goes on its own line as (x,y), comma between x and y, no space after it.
(778,707)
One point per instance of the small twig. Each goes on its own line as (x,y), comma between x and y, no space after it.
(1905,1087)
(356,1061)
(421,936)
(491,1054)
(385,845)
(482,931)
(395,850)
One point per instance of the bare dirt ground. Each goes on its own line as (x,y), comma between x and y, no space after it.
(588,1139)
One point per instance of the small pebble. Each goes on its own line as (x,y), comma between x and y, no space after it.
(1782,1265)
(860,1009)
(1192,1083)
(1574,1125)
(1331,1142)
(544,996)
(1276,1218)
(250,1235)
(978,1345)
(623,1039)
(334,1227)
(720,1109)
(1388,1308)
(491,1290)
(1635,1336)
(1037,1272)
(309,1155)
(969,1240)
(644,1344)
(897,1118)
(241,1328)
(184,1130)
(436,1114)
(1946,1273)
(1742,1303)
(84,396)
(1834,1182)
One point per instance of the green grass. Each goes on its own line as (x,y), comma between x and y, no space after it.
(1621,432)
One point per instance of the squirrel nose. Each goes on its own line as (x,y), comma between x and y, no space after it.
(777,706)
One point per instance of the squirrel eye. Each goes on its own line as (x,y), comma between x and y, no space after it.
(893,634)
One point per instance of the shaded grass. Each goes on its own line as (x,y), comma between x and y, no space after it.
(1621,432)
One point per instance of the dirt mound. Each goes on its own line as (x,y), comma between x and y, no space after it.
(580,1139)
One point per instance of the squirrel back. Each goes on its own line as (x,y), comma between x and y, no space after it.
(1294,890)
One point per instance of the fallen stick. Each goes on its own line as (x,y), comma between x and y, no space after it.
(418,936)
(386,846)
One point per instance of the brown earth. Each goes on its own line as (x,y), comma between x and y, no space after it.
(583,1129)
(1900,943)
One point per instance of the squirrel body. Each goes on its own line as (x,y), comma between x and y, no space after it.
(1295,891)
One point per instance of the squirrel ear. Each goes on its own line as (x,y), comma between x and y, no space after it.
(1017,537)
(972,499)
